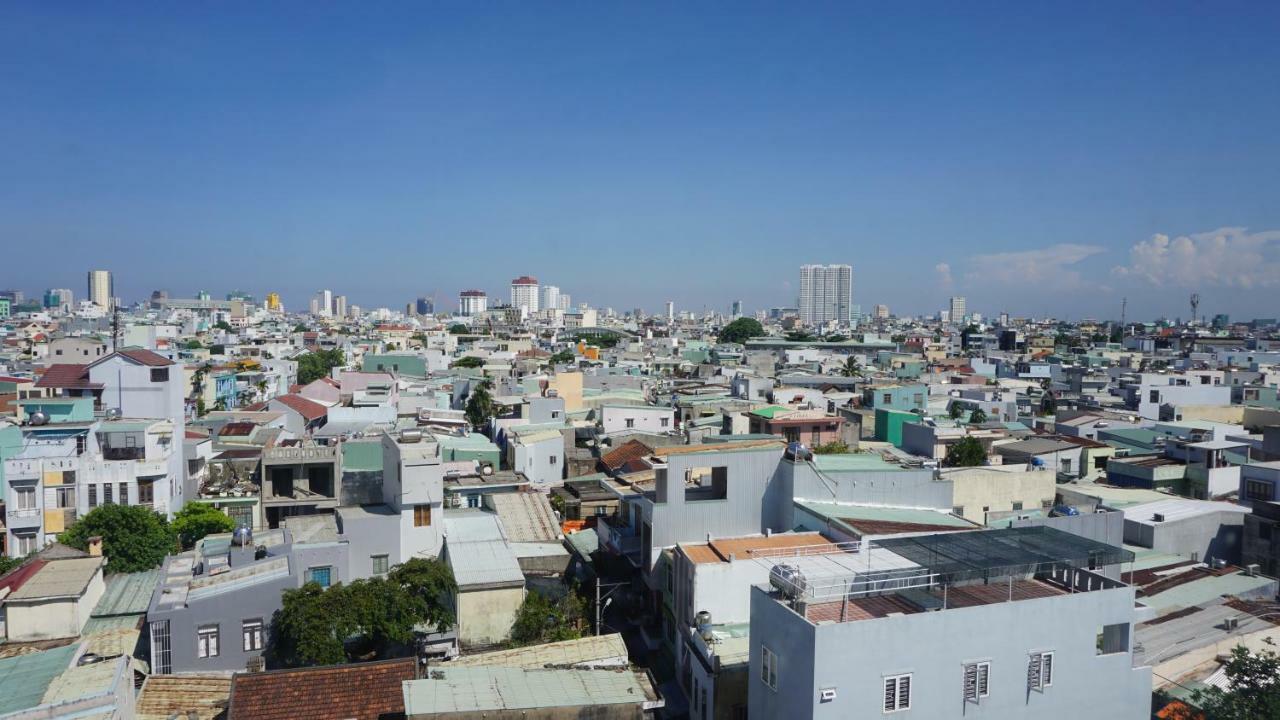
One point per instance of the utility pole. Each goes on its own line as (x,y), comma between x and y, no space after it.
(612,587)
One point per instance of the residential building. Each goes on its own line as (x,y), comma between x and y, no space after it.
(957,310)
(472,302)
(101,289)
(826,294)
(525,294)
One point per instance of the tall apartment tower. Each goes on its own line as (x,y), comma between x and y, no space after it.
(550,298)
(671,311)
(340,306)
(826,294)
(472,302)
(102,288)
(958,310)
(524,293)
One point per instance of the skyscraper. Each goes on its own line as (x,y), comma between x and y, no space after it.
(550,297)
(826,294)
(472,302)
(735,309)
(671,311)
(425,306)
(59,297)
(340,306)
(524,293)
(273,301)
(101,288)
(957,309)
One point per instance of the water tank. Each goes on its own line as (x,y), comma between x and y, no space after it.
(410,436)
(113,413)
(242,537)
(702,621)
(797,451)
(1037,462)
(788,580)
(39,417)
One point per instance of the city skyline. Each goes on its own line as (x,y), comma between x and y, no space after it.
(563,141)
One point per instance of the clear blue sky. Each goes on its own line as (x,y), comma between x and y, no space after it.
(1030,158)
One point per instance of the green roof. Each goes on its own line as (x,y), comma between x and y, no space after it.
(853,462)
(362,455)
(26,677)
(1206,589)
(127,593)
(770,411)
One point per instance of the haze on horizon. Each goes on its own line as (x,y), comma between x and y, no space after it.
(1039,160)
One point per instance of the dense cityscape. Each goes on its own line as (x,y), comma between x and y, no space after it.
(238,506)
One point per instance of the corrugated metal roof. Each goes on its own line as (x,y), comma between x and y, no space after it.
(164,696)
(128,593)
(526,516)
(478,550)
(25,678)
(60,578)
(593,649)
(478,689)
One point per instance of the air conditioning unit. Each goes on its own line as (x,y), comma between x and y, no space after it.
(1251,569)
(1230,623)
(1157,517)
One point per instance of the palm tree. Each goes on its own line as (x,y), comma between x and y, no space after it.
(852,368)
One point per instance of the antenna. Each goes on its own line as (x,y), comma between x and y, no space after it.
(1195,306)
(115,329)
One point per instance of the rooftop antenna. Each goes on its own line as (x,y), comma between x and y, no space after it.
(1195,306)
(115,329)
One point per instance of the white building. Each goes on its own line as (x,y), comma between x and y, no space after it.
(550,297)
(473,302)
(524,294)
(340,306)
(958,309)
(671,312)
(101,288)
(826,294)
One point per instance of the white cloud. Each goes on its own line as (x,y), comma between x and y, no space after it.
(1229,256)
(1045,267)
(944,274)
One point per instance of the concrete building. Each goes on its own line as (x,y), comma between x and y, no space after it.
(472,302)
(550,299)
(491,586)
(949,624)
(957,309)
(101,289)
(642,418)
(826,294)
(51,599)
(525,294)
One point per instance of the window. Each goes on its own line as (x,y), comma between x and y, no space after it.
(160,374)
(1065,464)
(977,681)
(381,564)
(888,398)
(603,510)
(24,499)
(768,667)
(146,492)
(421,515)
(1113,639)
(124,494)
(207,641)
(320,575)
(665,422)
(1154,396)
(1017,506)
(106,493)
(241,514)
(161,652)
(631,422)
(26,544)
(816,437)
(66,497)
(1258,490)
(473,501)
(897,693)
(555,414)
(93,495)
(958,511)
(553,459)
(251,635)
(1040,671)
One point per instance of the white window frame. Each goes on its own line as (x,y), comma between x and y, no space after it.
(894,703)
(28,493)
(251,635)
(768,668)
(386,563)
(981,680)
(207,641)
(1039,662)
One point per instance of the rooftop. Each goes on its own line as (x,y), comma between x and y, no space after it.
(164,697)
(1174,509)
(26,677)
(359,691)
(495,689)
(59,579)
(880,520)
(594,650)
(752,546)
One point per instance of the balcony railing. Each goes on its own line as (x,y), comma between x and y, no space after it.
(125,453)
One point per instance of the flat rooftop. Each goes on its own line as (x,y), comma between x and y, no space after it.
(753,546)
(879,606)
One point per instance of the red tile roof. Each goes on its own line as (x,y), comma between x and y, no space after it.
(360,691)
(308,409)
(67,375)
(143,356)
(625,453)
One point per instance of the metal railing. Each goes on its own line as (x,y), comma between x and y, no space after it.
(852,546)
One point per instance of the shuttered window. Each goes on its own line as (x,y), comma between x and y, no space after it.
(897,693)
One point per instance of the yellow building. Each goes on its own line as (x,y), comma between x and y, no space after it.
(273,301)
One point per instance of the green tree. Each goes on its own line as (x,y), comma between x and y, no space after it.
(1255,690)
(800,336)
(543,620)
(480,406)
(468,361)
(967,452)
(310,626)
(192,344)
(9,563)
(851,368)
(1048,404)
(563,357)
(429,581)
(196,520)
(955,411)
(224,326)
(741,330)
(299,328)
(835,338)
(835,447)
(458,329)
(318,364)
(977,416)
(134,537)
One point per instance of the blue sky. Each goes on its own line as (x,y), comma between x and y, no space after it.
(1035,159)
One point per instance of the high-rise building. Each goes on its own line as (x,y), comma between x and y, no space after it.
(101,288)
(273,301)
(826,294)
(425,306)
(566,302)
(59,297)
(323,305)
(524,293)
(671,311)
(472,302)
(15,297)
(550,297)
(958,310)
(882,312)
(736,308)
(340,306)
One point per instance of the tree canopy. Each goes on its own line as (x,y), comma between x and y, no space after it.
(197,520)
(562,358)
(224,326)
(835,447)
(543,620)
(977,416)
(458,329)
(318,364)
(955,411)
(373,617)
(741,330)
(134,537)
(1255,690)
(480,406)
(967,452)
(851,367)
(469,361)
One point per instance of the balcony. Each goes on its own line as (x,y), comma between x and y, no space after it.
(124,453)
(621,538)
